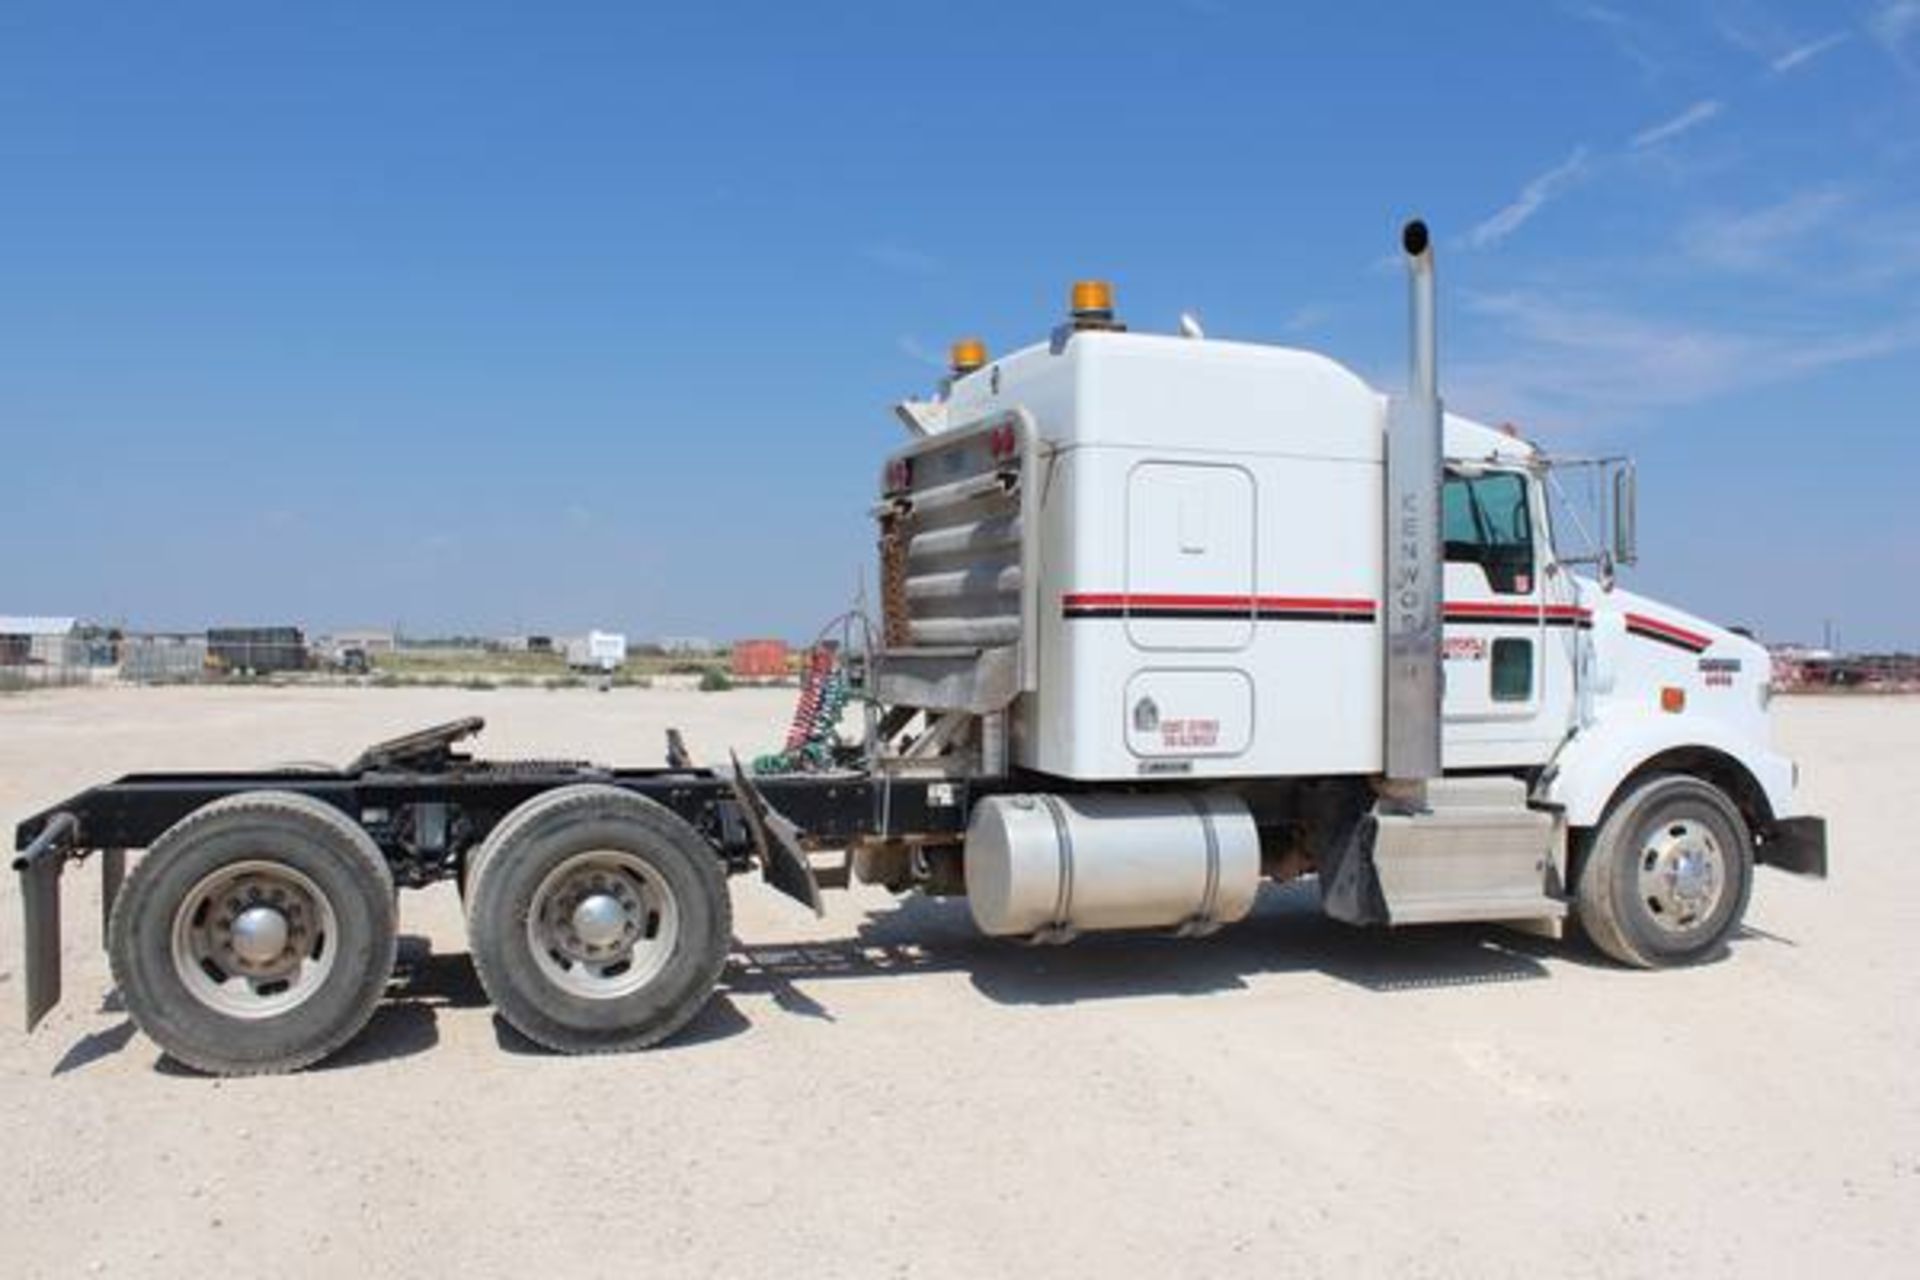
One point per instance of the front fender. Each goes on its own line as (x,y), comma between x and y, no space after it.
(1591,768)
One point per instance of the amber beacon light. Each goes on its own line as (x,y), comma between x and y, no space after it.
(1092,303)
(966,355)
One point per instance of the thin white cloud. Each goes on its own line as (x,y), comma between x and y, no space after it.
(1800,55)
(1532,198)
(1667,130)
(1762,239)
(1630,37)
(1564,362)
(1895,27)
(919,352)
(1309,317)
(1886,247)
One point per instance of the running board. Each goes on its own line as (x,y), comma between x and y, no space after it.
(1469,849)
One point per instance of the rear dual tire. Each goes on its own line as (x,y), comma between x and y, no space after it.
(598,920)
(256,935)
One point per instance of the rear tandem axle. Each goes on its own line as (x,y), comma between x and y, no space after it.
(628,854)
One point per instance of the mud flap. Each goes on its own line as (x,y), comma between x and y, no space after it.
(782,863)
(40,896)
(1798,845)
(39,866)
(1349,881)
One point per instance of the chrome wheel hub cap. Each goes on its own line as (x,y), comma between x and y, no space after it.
(253,939)
(600,920)
(603,924)
(259,935)
(1682,875)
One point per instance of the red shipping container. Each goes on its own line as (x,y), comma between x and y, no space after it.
(760,659)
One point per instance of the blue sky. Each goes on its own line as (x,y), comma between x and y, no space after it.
(482,317)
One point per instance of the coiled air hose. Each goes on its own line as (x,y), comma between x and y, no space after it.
(813,734)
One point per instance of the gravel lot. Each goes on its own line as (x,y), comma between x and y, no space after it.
(884,1094)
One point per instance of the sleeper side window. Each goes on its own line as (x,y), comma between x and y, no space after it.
(1485,521)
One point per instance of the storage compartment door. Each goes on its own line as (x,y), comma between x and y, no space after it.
(1190,557)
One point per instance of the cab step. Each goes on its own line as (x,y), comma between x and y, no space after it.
(1460,849)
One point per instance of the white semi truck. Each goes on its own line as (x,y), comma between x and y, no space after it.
(1163,619)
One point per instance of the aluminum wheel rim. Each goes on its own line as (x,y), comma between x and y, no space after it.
(603,924)
(224,935)
(1682,874)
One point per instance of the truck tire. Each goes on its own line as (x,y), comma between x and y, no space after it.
(1667,873)
(256,935)
(598,920)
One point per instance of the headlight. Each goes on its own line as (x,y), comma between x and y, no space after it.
(1766,694)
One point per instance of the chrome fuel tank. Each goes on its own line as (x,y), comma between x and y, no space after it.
(1056,865)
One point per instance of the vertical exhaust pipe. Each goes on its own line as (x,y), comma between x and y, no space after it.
(1423,343)
(1412,596)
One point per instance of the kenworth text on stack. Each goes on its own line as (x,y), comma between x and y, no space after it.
(1162,618)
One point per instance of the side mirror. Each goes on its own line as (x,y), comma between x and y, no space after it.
(1625,515)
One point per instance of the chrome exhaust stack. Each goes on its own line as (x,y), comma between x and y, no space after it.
(1423,341)
(1412,587)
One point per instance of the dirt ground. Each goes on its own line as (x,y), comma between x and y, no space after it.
(882,1093)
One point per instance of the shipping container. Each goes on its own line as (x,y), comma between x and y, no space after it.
(760,659)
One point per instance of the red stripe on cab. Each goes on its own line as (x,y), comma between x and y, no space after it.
(1684,636)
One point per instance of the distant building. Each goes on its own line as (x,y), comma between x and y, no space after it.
(1795,665)
(760,659)
(258,650)
(686,646)
(163,659)
(369,642)
(527,644)
(36,641)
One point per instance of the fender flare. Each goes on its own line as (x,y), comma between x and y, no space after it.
(1598,762)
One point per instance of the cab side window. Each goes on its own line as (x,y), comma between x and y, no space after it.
(1485,521)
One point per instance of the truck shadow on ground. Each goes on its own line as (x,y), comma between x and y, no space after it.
(405,1023)
(425,983)
(1284,935)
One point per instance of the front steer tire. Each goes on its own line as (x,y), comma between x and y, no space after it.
(1639,897)
(598,920)
(166,947)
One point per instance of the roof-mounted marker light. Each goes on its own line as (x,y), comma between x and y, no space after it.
(1092,304)
(966,355)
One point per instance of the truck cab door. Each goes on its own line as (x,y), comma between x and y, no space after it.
(1495,646)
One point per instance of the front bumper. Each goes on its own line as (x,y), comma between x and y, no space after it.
(1798,845)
